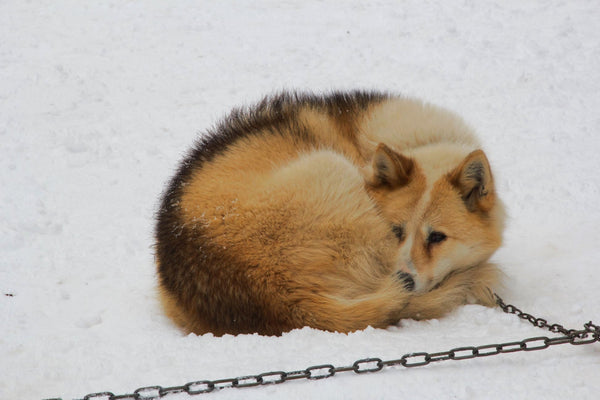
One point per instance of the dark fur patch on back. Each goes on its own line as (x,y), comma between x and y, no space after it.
(275,114)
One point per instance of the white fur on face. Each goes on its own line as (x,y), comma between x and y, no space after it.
(406,262)
(417,231)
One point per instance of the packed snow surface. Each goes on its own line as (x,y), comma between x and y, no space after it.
(100,100)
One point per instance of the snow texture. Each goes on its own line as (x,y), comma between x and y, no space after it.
(100,100)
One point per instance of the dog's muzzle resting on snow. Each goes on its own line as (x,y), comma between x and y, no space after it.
(335,212)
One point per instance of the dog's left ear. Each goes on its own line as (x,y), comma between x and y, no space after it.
(473,179)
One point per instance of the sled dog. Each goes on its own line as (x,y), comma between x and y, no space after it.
(336,211)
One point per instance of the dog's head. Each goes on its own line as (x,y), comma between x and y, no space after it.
(442,208)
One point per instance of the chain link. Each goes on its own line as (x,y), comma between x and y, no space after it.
(589,334)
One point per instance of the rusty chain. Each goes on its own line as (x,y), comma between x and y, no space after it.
(589,334)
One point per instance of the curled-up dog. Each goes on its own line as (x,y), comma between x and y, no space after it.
(336,212)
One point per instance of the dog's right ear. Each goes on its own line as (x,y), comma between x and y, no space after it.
(390,169)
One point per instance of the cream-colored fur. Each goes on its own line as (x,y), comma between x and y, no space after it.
(406,124)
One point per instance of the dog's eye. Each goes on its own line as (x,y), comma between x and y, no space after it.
(398,231)
(436,237)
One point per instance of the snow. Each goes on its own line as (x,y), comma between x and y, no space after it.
(100,100)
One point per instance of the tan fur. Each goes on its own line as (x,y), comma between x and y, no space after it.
(282,230)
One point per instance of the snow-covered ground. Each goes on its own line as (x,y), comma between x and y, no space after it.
(100,100)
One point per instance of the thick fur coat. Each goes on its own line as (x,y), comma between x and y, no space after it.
(335,212)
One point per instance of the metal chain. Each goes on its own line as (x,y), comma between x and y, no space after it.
(539,322)
(589,334)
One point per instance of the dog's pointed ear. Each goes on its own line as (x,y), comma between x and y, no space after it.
(390,169)
(473,179)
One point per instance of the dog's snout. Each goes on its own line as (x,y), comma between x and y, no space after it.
(407,279)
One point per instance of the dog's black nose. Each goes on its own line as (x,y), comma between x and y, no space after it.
(407,279)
